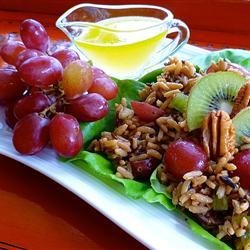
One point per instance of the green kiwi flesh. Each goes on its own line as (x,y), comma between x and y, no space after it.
(241,123)
(215,91)
(179,102)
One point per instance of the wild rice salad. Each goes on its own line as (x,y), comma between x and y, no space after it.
(152,133)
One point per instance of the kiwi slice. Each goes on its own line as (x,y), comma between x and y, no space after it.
(179,102)
(215,91)
(241,123)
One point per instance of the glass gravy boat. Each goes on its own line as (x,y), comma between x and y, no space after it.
(123,40)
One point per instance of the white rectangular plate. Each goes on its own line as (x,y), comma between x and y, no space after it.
(152,225)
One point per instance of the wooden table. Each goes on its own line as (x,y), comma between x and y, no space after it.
(35,212)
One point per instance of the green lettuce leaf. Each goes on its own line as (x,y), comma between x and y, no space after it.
(158,186)
(128,89)
(103,169)
(238,56)
(199,230)
(151,76)
(153,197)
(245,63)
(157,193)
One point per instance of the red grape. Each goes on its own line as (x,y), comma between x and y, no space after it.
(98,72)
(26,54)
(3,40)
(104,86)
(146,112)
(11,85)
(31,134)
(144,168)
(183,156)
(33,35)
(10,50)
(10,118)
(89,107)
(35,102)
(41,71)
(242,161)
(77,79)
(65,135)
(66,56)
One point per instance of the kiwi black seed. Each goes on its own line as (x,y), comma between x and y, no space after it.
(215,91)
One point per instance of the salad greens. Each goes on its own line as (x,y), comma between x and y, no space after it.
(153,192)
(157,186)
(241,57)
(151,76)
(157,193)
(199,230)
(103,169)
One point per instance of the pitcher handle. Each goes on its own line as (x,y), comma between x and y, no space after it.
(168,49)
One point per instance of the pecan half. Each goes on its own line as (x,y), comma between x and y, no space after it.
(242,100)
(218,134)
(223,65)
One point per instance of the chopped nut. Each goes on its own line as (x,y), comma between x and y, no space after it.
(242,100)
(223,65)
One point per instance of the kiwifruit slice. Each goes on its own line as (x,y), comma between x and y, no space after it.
(215,91)
(241,123)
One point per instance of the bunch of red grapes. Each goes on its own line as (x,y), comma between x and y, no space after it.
(47,94)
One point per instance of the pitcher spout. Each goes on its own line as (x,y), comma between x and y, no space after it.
(79,17)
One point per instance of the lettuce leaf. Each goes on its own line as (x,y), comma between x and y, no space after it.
(158,186)
(157,193)
(128,89)
(238,56)
(152,196)
(151,76)
(103,169)
(199,230)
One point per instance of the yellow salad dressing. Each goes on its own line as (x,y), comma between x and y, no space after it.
(121,53)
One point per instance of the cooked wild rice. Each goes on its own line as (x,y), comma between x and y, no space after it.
(134,140)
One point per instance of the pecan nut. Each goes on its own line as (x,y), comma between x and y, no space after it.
(223,65)
(242,99)
(218,134)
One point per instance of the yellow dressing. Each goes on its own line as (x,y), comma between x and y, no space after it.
(121,53)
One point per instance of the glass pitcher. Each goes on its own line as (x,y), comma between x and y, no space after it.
(123,40)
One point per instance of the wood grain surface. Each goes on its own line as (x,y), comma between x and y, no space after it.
(214,23)
(37,213)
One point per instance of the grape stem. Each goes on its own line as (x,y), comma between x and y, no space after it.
(59,100)
(51,109)
(54,88)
